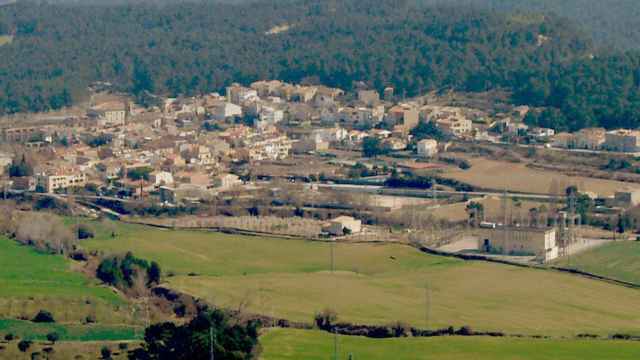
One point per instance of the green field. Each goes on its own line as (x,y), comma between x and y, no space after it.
(31,281)
(286,344)
(378,284)
(69,332)
(618,260)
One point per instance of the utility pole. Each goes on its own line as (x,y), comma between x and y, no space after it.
(211,356)
(427,304)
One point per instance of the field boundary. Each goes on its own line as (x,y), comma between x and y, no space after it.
(584,274)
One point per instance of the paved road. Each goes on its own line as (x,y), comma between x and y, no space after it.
(381,190)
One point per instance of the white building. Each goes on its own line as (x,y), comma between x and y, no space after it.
(623,140)
(343,225)
(161,178)
(427,148)
(226,110)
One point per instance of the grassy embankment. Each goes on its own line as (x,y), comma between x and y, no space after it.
(31,281)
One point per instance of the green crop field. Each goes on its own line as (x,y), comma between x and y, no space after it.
(286,344)
(31,281)
(617,260)
(377,284)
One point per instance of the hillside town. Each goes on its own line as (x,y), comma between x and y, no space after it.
(255,144)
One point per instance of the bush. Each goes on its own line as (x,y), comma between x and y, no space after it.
(43,316)
(53,337)
(325,319)
(9,337)
(84,232)
(24,345)
(123,346)
(105,352)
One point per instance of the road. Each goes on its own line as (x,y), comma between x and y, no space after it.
(381,190)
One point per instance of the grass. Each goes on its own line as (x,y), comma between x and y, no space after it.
(377,283)
(69,332)
(617,260)
(286,344)
(65,350)
(493,174)
(30,281)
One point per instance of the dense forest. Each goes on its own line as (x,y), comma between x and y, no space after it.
(611,23)
(195,47)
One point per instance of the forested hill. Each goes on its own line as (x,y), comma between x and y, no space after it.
(611,23)
(190,48)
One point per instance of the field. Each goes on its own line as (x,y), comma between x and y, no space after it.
(492,174)
(315,345)
(376,283)
(618,260)
(69,332)
(30,281)
(65,350)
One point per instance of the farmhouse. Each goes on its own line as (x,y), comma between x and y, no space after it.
(623,140)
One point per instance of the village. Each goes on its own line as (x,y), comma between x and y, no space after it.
(356,163)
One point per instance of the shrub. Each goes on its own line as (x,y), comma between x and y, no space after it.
(325,319)
(84,232)
(9,337)
(53,337)
(123,346)
(43,316)
(105,352)
(24,345)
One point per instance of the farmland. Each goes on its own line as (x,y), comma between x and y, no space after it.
(617,260)
(315,345)
(376,284)
(493,174)
(31,281)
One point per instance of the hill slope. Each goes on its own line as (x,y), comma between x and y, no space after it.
(190,48)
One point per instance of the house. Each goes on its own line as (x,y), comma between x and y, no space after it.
(109,114)
(564,140)
(622,140)
(343,225)
(61,180)
(25,183)
(404,116)
(161,178)
(590,138)
(427,148)
(455,126)
(226,181)
(225,110)
(237,94)
(310,144)
(368,97)
(542,132)
(626,199)
(537,242)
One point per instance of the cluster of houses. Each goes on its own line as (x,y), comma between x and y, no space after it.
(621,140)
(186,148)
